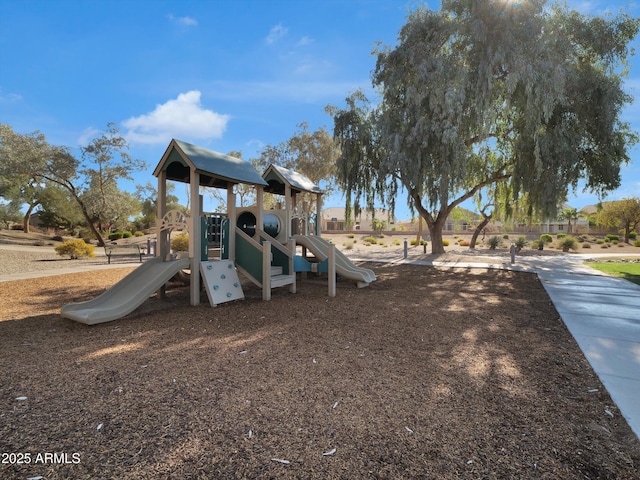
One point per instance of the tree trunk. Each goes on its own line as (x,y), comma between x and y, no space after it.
(419,237)
(27,217)
(474,237)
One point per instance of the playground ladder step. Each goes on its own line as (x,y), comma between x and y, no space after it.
(276,270)
(282,280)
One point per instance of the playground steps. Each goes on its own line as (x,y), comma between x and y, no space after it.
(280,280)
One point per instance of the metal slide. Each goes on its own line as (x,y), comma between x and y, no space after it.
(126,295)
(320,248)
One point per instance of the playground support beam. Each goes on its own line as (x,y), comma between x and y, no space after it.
(318,224)
(331,271)
(231,212)
(195,240)
(260,206)
(162,247)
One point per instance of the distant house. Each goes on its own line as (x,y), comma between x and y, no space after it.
(334,219)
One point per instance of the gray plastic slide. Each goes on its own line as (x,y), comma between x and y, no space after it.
(126,295)
(320,248)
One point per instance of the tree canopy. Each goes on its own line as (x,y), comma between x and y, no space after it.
(91,182)
(481,92)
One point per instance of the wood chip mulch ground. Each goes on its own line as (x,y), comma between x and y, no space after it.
(428,373)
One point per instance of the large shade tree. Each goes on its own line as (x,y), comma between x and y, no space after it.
(486,91)
(91,181)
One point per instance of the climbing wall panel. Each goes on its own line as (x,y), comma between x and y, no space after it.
(221,281)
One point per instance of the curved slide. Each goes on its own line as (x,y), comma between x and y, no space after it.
(126,295)
(320,248)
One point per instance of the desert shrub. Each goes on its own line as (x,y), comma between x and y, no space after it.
(180,243)
(382,243)
(537,245)
(127,234)
(351,235)
(75,248)
(465,243)
(561,235)
(370,240)
(348,245)
(521,242)
(611,238)
(586,245)
(615,242)
(138,233)
(494,242)
(636,243)
(546,238)
(633,235)
(117,235)
(567,243)
(505,236)
(413,242)
(445,243)
(599,241)
(604,245)
(397,242)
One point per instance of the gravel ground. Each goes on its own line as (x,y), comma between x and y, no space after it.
(22,259)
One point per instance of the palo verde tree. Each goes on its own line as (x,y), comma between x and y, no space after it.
(623,214)
(487,91)
(92,181)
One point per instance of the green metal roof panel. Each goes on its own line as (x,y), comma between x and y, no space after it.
(296,181)
(216,169)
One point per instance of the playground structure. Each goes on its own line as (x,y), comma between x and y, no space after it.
(262,245)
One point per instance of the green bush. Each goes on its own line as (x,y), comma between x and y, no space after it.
(397,241)
(546,238)
(117,235)
(633,235)
(138,234)
(180,243)
(494,242)
(599,241)
(568,243)
(371,240)
(348,245)
(586,245)
(537,245)
(445,243)
(521,242)
(75,248)
(127,234)
(611,238)
(636,243)
(505,236)
(561,235)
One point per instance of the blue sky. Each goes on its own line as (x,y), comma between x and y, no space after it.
(225,75)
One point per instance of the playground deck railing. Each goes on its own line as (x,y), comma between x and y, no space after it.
(256,260)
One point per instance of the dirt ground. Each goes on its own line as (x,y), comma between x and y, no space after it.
(427,373)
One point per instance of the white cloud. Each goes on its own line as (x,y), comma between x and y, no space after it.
(183,117)
(9,97)
(183,21)
(276,33)
(305,41)
(88,135)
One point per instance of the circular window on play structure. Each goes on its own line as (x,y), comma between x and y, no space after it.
(247,223)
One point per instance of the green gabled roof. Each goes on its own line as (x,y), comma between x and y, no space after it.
(278,177)
(215,169)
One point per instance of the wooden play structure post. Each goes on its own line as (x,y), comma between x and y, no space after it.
(331,272)
(195,235)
